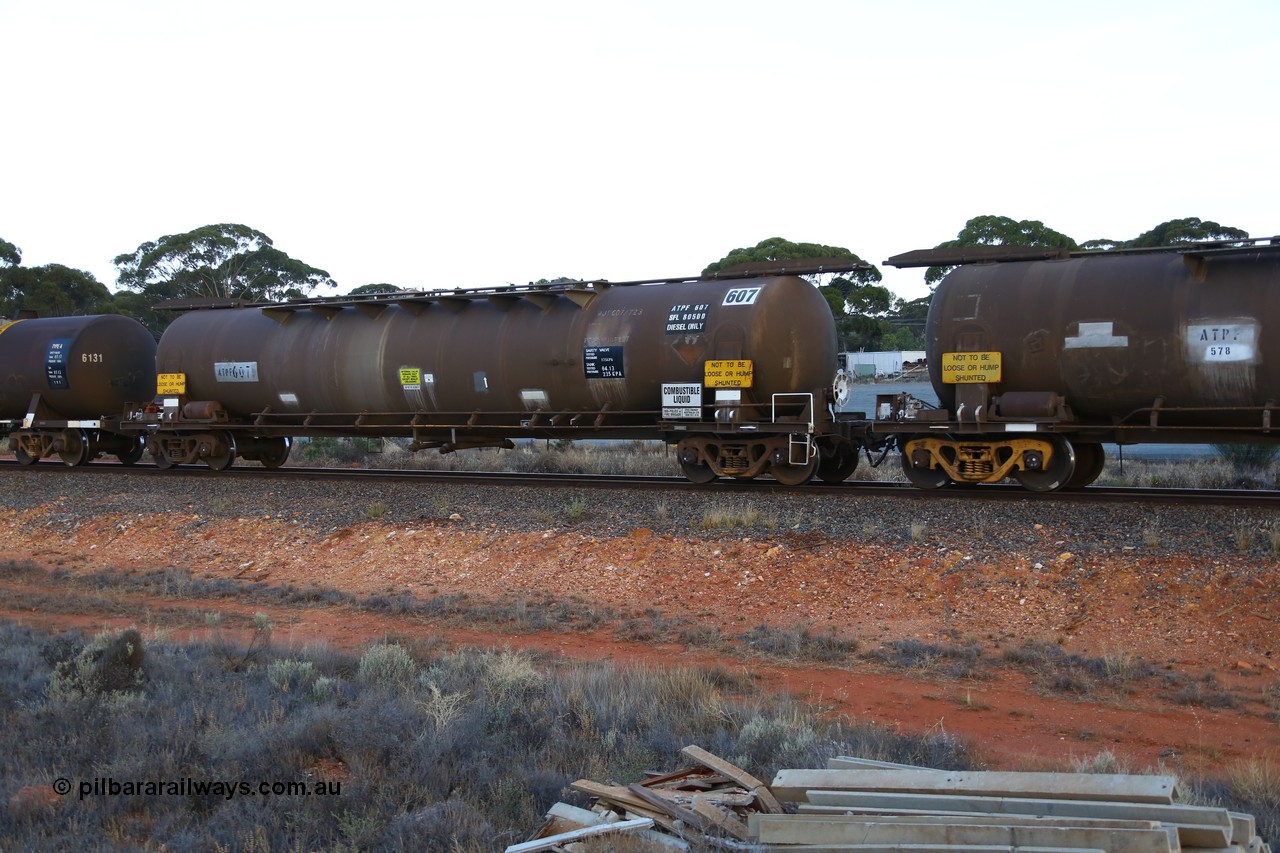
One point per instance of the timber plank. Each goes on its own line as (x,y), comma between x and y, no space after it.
(944,819)
(767,801)
(920,848)
(1243,828)
(721,818)
(1198,826)
(786,829)
(791,785)
(622,800)
(671,809)
(849,762)
(578,834)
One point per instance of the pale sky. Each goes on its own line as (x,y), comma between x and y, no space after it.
(463,144)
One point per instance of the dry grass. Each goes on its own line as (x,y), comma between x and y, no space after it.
(1256,779)
(416,749)
(655,458)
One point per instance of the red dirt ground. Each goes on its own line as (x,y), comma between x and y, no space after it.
(1216,619)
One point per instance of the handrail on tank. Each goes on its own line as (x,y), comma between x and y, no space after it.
(1154,412)
(986,254)
(568,289)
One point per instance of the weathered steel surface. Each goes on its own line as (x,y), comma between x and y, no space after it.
(82,367)
(576,348)
(1120,332)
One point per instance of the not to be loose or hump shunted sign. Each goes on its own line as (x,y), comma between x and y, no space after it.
(962,368)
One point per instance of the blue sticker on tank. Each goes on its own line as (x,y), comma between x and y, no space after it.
(55,364)
(602,362)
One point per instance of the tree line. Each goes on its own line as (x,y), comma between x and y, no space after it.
(235,262)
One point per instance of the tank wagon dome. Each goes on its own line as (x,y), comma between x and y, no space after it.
(578,347)
(82,367)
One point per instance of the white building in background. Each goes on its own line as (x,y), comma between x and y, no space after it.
(869,365)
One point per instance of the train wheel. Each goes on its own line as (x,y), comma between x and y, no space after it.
(1090,460)
(222,451)
(164,463)
(274,451)
(795,475)
(696,472)
(23,457)
(134,453)
(1056,474)
(923,477)
(75,447)
(837,463)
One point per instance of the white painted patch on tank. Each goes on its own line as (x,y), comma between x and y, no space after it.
(742,296)
(535,398)
(235,371)
(1096,336)
(1222,341)
(289,399)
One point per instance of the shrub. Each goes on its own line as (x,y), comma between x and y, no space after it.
(387,665)
(1063,672)
(466,754)
(108,667)
(798,644)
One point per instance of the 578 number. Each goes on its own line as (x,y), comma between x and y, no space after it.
(1219,350)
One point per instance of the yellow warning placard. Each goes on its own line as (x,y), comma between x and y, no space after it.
(169,384)
(410,376)
(962,368)
(728,373)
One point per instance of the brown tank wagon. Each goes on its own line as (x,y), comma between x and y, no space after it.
(65,383)
(1038,362)
(736,372)
(1038,358)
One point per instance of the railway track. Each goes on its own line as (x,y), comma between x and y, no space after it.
(1242,498)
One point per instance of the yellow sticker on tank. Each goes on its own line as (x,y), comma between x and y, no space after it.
(963,368)
(728,373)
(410,376)
(168,384)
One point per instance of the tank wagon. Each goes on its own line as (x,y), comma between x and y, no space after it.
(736,372)
(1039,358)
(65,383)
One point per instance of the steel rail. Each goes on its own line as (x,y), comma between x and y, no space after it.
(852,488)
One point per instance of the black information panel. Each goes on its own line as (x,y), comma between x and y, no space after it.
(602,362)
(687,319)
(55,364)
